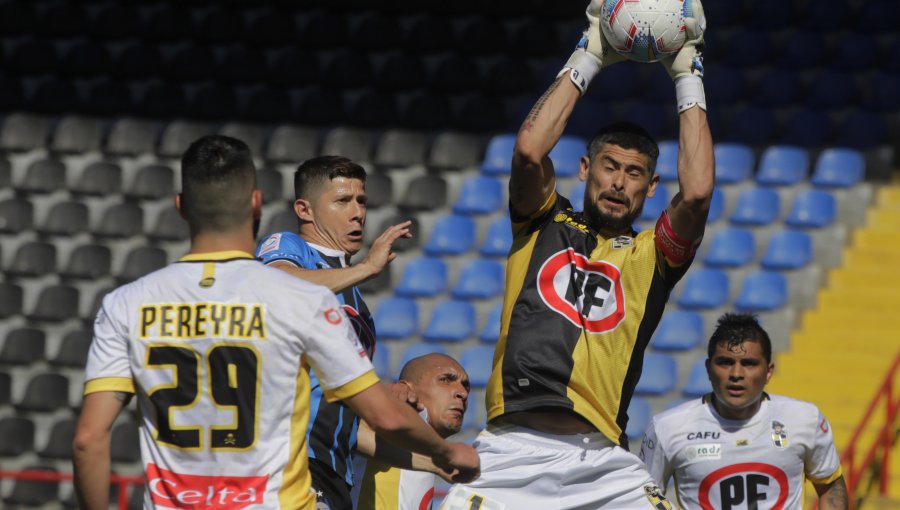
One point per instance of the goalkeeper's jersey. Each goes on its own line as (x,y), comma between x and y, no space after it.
(578,313)
(217,348)
(756,463)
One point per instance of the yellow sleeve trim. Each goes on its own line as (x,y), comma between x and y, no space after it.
(352,388)
(109,384)
(825,481)
(519,226)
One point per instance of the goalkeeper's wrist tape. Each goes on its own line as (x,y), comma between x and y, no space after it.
(581,68)
(689,92)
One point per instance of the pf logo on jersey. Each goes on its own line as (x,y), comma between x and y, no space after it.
(586,292)
(749,485)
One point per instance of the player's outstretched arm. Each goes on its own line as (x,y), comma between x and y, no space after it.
(372,446)
(90,448)
(399,424)
(833,496)
(696,163)
(532,178)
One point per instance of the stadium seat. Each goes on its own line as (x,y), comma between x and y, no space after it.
(125,442)
(497,239)
(368,108)
(292,144)
(753,126)
(10,299)
(807,50)
(812,209)
(252,134)
(66,218)
(381,360)
(490,333)
(33,259)
(424,193)
(162,100)
(478,361)
(838,168)
(18,436)
(657,119)
(508,75)
(16,215)
(399,72)
(5,173)
(716,206)
(884,95)
(282,221)
(45,392)
(566,155)
(878,16)
(679,330)
(726,86)
(498,158)
(420,349)
(100,178)
(704,288)
(749,48)
(659,375)
(396,317)
(756,207)
(130,137)
(356,144)
(778,88)
(427,111)
(639,413)
(140,261)
(833,90)
(5,392)
(23,346)
(783,165)
(479,195)
(400,149)
(24,132)
(583,121)
(788,249)
(862,131)
(43,176)
(240,65)
(53,96)
(32,494)
(807,128)
(402,244)
(451,151)
(734,163)
(379,190)
(479,279)
(698,380)
(452,73)
(378,283)
(136,60)
(56,303)
(667,163)
(152,182)
(59,444)
(270,182)
(451,321)
(121,220)
(108,98)
(75,134)
(731,247)
(451,235)
(73,349)
(213,101)
(170,226)
(857,52)
(423,277)
(762,291)
(655,205)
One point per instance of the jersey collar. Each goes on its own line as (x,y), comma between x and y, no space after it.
(218,256)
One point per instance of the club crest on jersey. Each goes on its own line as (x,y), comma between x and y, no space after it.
(586,292)
(570,222)
(779,435)
(270,244)
(622,242)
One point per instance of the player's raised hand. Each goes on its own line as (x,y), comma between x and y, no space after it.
(461,461)
(381,252)
(592,52)
(689,59)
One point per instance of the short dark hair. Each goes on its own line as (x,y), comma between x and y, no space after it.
(313,172)
(733,329)
(217,179)
(627,135)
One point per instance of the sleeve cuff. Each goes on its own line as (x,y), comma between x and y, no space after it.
(351,388)
(825,481)
(124,384)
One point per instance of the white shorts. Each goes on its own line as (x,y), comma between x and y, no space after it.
(523,469)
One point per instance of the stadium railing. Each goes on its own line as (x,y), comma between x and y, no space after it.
(122,481)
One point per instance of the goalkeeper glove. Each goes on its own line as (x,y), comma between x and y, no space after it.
(592,52)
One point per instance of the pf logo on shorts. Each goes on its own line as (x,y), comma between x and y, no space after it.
(586,292)
(745,485)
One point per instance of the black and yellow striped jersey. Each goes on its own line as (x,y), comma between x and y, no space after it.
(578,313)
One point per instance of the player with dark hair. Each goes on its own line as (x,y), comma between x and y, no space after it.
(217,349)
(441,386)
(584,293)
(739,447)
(331,206)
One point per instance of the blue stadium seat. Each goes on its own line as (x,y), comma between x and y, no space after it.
(778,88)
(762,291)
(698,380)
(749,48)
(451,235)
(473,420)
(857,52)
(498,157)
(397,317)
(788,249)
(756,207)
(659,375)
(576,196)
(497,239)
(639,414)
(734,163)
(839,168)
(879,16)
(679,330)
(731,247)
(478,362)
(451,321)
(804,49)
(382,362)
(716,206)
(490,333)
(479,279)
(812,209)
(657,119)
(862,131)
(583,121)
(726,86)
(885,90)
(807,128)
(419,349)
(655,205)
(782,165)
(425,276)
(833,90)
(667,163)
(704,288)
(479,195)
(754,126)
(566,155)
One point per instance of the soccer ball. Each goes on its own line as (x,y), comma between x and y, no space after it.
(645,30)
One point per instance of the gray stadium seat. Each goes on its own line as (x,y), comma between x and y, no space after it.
(5,173)
(23,346)
(152,182)
(425,193)
(56,303)
(282,221)
(251,134)
(402,244)
(75,134)
(379,190)
(451,151)
(59,445)
(88,262)
(33,493)
(397,149)
(45,393)
(65,219)
(44,176)
(24,132)
(141,261)
(18,435)
(124,443)
(169,226)
(355,144)
(99,178)
(10,299)
(73,349)
(270,182)
(292,144)
(121,220)
(16,215)
(32,259)
(178,136)
(96,303)
(130,137)
(5,388)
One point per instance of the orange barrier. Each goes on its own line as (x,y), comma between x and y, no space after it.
(53,476)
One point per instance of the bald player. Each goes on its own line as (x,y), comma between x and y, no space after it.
(439,387)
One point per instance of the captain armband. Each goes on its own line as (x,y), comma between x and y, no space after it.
(675,248)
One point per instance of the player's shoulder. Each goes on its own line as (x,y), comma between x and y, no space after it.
(796,407)
(281,242)
(677,414)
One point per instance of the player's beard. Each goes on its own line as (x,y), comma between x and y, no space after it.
(607,223)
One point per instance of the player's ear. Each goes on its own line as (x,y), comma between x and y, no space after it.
(256,203)
(654,181)
(303,208)
(584,168)
(769,372)
(708,374)
(179,205)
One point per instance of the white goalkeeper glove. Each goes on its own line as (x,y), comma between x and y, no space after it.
(686,66)
(592,52)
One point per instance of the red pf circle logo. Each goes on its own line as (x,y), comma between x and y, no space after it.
(745,485)
(586,292)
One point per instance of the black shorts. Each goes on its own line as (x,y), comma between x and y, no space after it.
(332,492)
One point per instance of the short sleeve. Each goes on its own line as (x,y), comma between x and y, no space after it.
(108,367)
(286,246)
(822,464)
(335,353)
(654,456)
